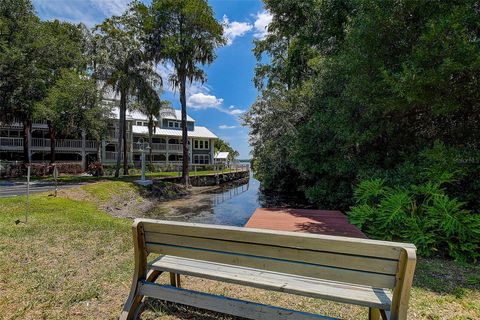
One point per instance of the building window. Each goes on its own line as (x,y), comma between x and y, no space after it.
(201,159)
(138,123)
(173,124)
(201,144)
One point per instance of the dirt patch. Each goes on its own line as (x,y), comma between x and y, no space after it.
(128,206)
(77,194)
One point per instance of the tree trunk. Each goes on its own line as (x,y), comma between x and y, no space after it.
(183,101)
(99,151)
(27,127)
(125,150)
(52,134)
(150,137)
(121,122)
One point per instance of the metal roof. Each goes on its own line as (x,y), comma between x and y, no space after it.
(198,132)
(137,115)
(221,155)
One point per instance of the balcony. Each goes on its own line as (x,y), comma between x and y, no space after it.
(154,146)
(175,147)
(17,124)
(161,147)
(37,144)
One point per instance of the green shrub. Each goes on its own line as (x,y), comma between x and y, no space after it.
(422,214)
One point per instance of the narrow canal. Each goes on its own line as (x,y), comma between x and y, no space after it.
(229,204)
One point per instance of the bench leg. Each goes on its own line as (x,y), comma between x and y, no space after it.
(374,314)
(130,309)
(153,275)
(175,280)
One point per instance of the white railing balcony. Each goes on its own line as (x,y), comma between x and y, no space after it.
(15,124)
(40,143)
(91,144)
(159,146)
(110,155)
(7,143)
(175,147)
(39,124)
(154,146)
(11,143)
(68,144)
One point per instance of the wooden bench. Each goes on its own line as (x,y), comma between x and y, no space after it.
(369,273)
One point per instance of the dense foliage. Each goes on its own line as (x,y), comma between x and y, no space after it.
(423,212)
(43,67)
(184,33)
(354,89)
(122,64)
(58,71)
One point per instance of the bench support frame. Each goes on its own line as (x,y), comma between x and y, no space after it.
(131,307)
(143,284)
(236,307)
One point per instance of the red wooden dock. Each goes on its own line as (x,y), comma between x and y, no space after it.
(326,222)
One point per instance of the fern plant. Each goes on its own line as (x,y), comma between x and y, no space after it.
(422,214)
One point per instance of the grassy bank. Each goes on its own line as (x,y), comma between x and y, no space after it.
(74,261)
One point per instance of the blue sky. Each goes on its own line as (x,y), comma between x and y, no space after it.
(229,89)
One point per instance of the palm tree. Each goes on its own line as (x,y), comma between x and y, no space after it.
(150,105)
(122,65)
(186,33)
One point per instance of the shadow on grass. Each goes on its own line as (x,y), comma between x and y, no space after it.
(153,308)
(446,276)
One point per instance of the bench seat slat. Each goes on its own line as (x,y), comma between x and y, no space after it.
(347,261)
(306,286)
(236,307)
(278,265)
(354,246)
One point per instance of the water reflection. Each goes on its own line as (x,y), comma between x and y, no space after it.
(230,204)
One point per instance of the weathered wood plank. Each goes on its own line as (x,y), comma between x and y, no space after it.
(347,261)
(246,309)
(404,281)
(327,267)
(297,268)
(140,256)
(310,287)
(354,246)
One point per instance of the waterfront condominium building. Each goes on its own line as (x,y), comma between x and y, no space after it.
(77,146)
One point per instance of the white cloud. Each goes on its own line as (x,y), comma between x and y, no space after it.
(201,100)
(224,126)
(89,12)
(232,110)
(262,20)
(235,111)
(70,11)
(111,7)
(166,70)
(234,29)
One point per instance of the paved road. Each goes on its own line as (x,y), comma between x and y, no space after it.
(15,189)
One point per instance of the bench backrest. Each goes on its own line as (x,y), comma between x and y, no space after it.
(377,264)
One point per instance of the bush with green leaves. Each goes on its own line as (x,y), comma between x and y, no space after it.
(423,214)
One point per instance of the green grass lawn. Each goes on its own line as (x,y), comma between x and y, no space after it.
(74,261)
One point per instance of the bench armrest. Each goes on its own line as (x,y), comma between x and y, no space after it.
(404,280)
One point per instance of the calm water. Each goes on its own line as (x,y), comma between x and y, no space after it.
(230,204)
